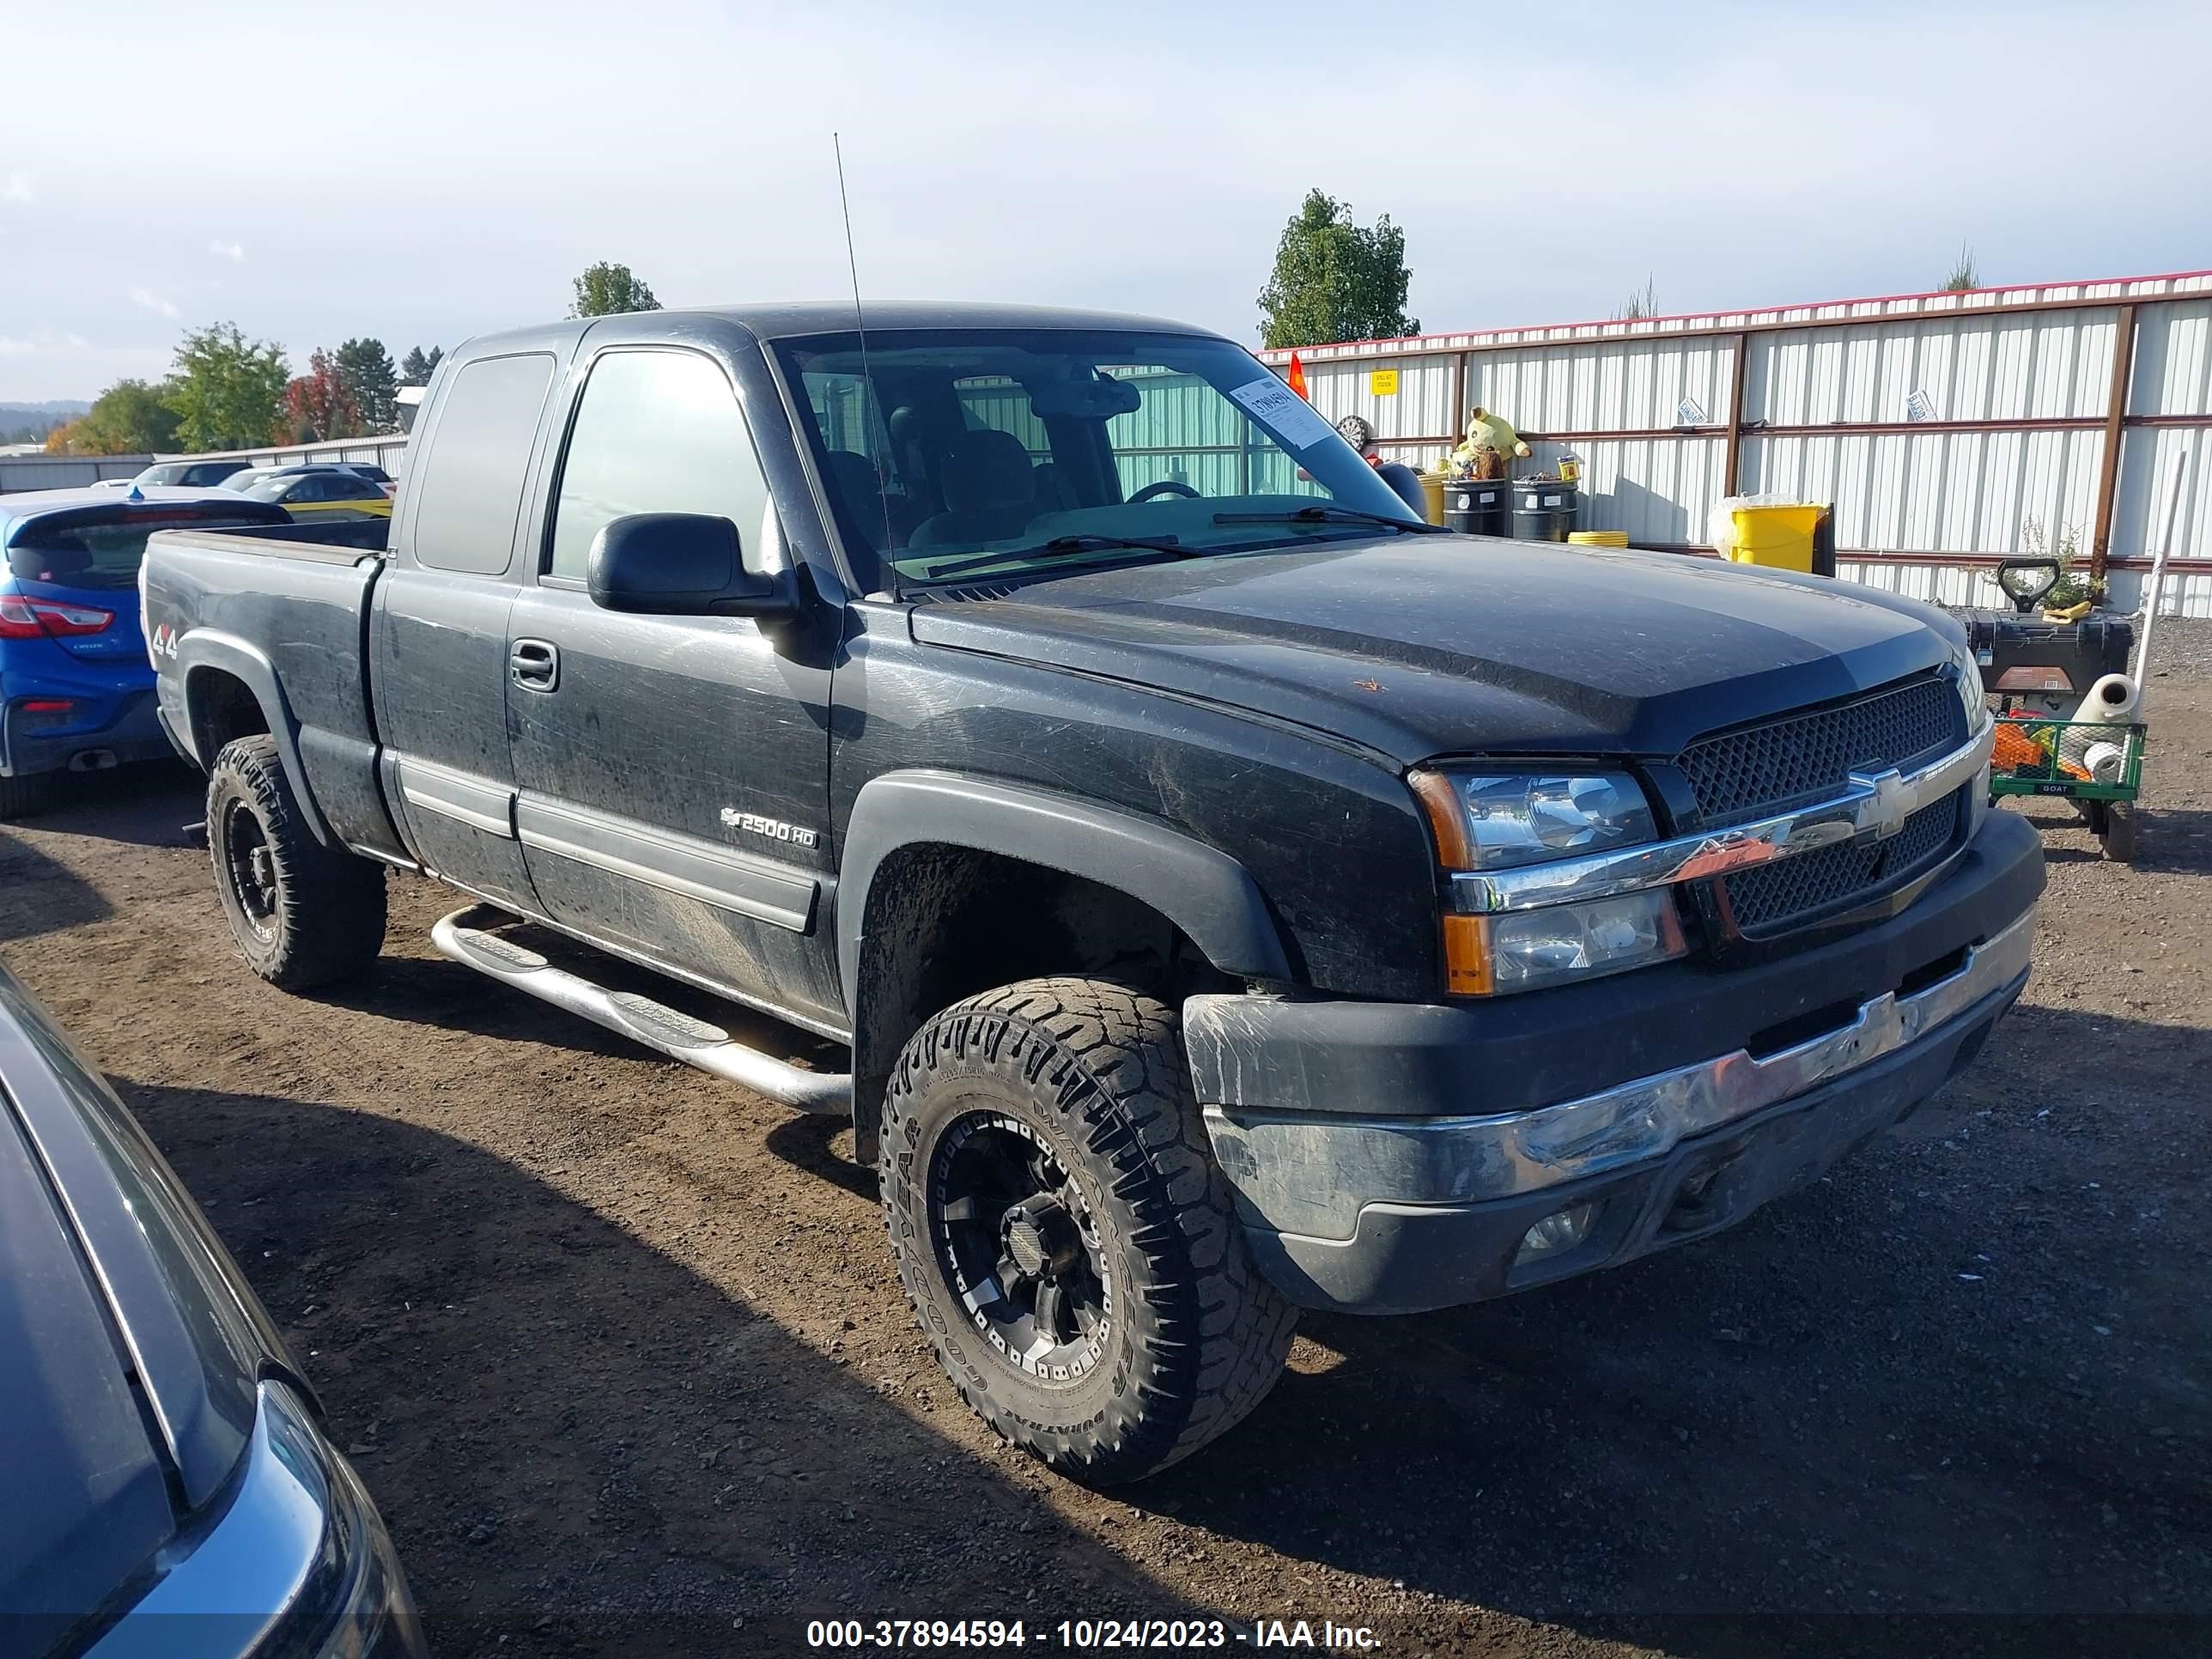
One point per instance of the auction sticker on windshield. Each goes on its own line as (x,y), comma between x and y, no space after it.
(1283,412)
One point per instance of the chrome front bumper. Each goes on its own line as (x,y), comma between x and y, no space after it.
(1312,1173)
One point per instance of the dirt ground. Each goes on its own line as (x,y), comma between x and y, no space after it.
(622,1356)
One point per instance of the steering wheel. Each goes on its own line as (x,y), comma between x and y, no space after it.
(1163,487)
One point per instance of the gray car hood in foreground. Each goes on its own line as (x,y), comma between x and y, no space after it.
(130,1347)
(84,1501)
(1434,645)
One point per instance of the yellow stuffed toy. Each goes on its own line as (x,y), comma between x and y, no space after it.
(1490,440)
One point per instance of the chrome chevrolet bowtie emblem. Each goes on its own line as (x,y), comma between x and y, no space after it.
(1885,813)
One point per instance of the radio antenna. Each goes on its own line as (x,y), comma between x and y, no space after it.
(861,324)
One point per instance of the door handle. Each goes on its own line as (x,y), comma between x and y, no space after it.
(534,665)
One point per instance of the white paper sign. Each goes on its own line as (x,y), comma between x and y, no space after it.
(1283,412)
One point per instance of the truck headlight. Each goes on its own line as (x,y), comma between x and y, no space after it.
(1493,819)
(1530,948)
(1489,820)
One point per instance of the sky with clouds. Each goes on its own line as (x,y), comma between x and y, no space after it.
(422,172)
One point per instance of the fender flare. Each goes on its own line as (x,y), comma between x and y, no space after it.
(206,648)
(1202,890)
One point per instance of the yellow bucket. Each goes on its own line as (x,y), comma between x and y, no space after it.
(1432,489)
(1597,538)
(1781,537)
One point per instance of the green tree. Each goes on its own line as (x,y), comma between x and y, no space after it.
(1643,303)
(228,391)
(1335,280)
(128,418)
(1965,273)
(420,365)
(372,383)
(607,290)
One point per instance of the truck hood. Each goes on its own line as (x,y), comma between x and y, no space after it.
(1437,645)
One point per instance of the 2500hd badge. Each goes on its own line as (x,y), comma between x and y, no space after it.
(774,829)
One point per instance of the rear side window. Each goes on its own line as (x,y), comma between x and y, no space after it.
(657,432)
(469,490)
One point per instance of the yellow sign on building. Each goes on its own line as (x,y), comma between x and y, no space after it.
(1383,382)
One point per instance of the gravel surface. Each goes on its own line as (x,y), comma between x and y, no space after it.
(620,1353)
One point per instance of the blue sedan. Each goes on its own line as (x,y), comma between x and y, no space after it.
(76,687)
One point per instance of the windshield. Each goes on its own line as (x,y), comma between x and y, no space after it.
(1047,446)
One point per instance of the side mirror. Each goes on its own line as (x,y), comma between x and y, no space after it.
(1405,484)
(679,564)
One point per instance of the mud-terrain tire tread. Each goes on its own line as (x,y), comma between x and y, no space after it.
(1107,1060)
(332,903)
(23,797)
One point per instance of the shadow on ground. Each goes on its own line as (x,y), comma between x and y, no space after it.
(2169,840)
(582,1446)
(148,805)
(44,895)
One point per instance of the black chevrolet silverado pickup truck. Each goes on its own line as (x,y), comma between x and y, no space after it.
(1234,894)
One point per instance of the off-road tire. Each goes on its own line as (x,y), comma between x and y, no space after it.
(321,919)
(23,797)
(1197,1336)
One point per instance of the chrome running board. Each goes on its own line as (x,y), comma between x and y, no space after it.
(640,1018)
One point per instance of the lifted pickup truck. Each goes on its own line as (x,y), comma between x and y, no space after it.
(1235,894)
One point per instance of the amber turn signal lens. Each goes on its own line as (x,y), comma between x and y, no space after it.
(1440,798)
(1467,956)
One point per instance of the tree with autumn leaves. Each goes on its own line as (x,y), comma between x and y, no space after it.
(351,393)
(319,403)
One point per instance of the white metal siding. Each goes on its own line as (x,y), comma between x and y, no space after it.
(1938,492)
(22,473)
(2148,457)
(1628,385)
(1967,492)
(386,450)
(2173,361)
(1420,408)
(1900,306)
(2186,594)
(2044,366)
(1660,490)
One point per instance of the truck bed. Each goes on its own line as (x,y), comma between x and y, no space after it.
(283,611)
(342,541)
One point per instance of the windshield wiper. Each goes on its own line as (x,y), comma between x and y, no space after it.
(1320,514)
(1061,545)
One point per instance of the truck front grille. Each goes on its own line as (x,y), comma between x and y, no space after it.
(1772,898)
(1807,758)
(1738,776)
